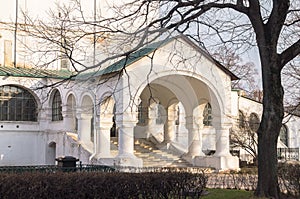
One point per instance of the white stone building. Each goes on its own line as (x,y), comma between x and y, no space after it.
(168,104)
(183,107)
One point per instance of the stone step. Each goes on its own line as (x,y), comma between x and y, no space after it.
(151,155)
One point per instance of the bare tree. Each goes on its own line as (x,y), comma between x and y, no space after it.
(291,79)
(271,26)
(243,135)
(244,139)
(247,72)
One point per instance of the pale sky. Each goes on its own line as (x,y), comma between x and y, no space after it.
(8,7)
(34,7)
(39,8)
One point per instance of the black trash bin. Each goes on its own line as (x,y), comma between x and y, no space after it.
(67,163)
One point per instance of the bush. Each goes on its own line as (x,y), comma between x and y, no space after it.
(289,178)
(102,185)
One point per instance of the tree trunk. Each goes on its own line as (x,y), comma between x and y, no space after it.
(269,129)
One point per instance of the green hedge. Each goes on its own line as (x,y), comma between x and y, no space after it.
(289,176)
(102,185)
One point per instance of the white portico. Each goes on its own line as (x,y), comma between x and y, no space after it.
(181,106)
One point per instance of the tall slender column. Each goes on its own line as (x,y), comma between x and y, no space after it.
(84,127)
(151,122)
(68,119)
(152,126)
(194,141)
(126,112)
(126,138)
(103,138)
(222,141)
(170,126)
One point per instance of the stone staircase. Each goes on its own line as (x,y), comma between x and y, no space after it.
(153,156)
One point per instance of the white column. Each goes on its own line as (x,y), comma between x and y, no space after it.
(194,138)
(103,137)
(151,122)
(126,123)
(126,138)
(222,141)
(153,128)
(170,126)
(84,127)
(170,131)
(68,119)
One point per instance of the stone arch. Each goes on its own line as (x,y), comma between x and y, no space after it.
(87,104)
(189,103)
(107,104)
(194,93)
(215,97)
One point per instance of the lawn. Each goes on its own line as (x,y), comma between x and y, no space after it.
(228,194)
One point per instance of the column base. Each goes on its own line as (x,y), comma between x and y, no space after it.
(128,160)
(220,163)
(106,161)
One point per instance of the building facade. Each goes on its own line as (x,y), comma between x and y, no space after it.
(170,93)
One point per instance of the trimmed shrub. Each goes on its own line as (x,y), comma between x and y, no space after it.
(102,185)
(289,177)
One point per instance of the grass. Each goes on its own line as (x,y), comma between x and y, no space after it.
(228,194)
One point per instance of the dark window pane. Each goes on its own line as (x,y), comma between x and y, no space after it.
(207,115)
(56,107)
(13,101)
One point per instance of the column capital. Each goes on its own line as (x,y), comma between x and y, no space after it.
(82,116)
(126,119)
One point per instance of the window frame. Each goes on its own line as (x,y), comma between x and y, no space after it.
(207,115)
(285,132)
(17,104)
(254,122)
(56,108)
(241,120)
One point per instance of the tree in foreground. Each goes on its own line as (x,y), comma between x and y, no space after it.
(271,26)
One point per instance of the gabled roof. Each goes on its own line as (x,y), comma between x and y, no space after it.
(35,73)
(131,58)
(208,56)
(139,54)
(116,67)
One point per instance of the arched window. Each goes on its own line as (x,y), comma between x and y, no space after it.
(160,114)
(141,114)
(242,122)
(207,115)
(283,135)
(113,130)
(253,122)
(177,120)
(17,104)
(56,106)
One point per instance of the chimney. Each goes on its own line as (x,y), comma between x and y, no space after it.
(8,53)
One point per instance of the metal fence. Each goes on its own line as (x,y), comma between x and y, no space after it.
(288,154)
(55,168)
